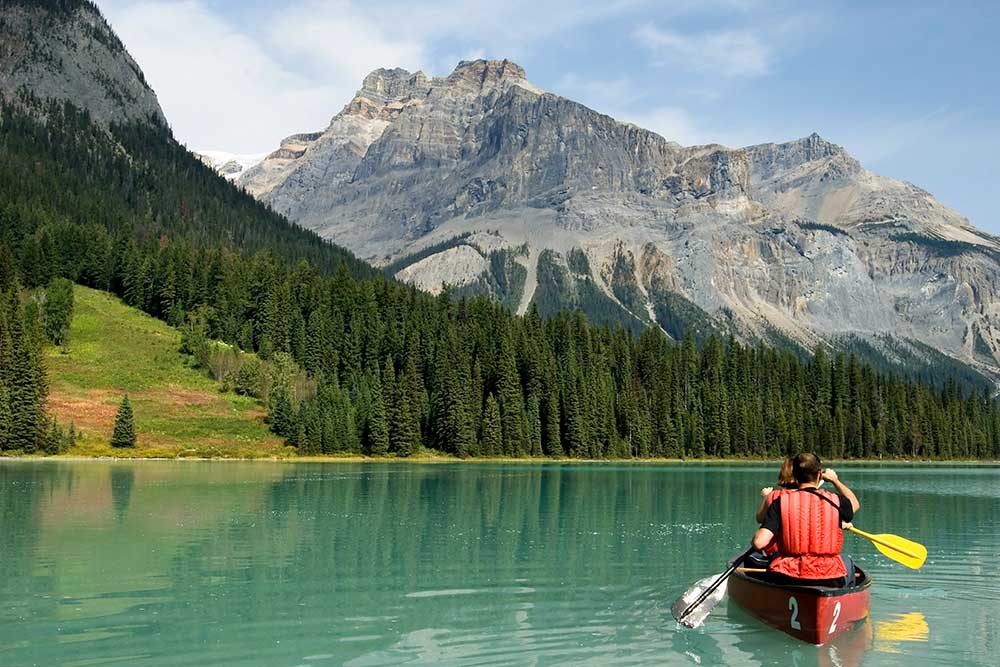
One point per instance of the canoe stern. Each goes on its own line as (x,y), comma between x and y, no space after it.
(813,615)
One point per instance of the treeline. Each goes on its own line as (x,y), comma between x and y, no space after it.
(391,369)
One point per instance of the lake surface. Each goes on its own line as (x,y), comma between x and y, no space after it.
(198,563)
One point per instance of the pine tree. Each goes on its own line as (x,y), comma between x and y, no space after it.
(534,417)
(123,434)
(404,432)
(511,401)
(25,391)
(58,310)
(377,437)
(492,430)
(283,421)
(5,418)
(551,435)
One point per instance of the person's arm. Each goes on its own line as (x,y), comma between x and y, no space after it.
(831,475)
(762,507)
(762,538)
(769,527)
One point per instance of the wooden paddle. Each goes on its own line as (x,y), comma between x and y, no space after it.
(909,553)
(691,609)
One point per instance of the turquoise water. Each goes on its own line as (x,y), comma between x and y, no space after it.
(196,563)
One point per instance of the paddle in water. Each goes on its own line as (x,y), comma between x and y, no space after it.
(692,608)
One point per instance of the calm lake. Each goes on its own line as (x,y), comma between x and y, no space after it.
(197,563)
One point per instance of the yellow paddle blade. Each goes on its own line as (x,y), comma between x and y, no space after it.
(909,553)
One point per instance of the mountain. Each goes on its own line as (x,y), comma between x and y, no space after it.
(64,50)
(230,165)
(78,119)
(484,181)
(349,361)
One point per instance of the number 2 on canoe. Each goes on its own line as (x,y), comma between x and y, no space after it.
(836,615)
(793,604)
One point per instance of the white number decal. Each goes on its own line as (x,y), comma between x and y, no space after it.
(793,604)
(836,615)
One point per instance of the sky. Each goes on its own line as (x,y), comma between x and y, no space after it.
(911,89)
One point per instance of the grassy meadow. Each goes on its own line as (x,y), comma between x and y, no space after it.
(179,410)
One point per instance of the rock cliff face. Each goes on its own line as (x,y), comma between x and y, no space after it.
(482,179)
(67,51)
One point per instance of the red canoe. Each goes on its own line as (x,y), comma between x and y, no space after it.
(814,614)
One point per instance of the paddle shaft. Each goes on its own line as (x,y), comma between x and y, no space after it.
(888,545)
(716,583)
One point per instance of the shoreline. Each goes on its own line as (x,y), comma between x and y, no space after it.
(436,459)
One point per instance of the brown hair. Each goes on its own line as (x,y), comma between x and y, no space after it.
(806,468)
(786,479)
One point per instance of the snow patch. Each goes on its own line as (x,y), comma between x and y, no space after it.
(230,165)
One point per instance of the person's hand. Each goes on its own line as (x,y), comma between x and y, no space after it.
(830,474)
(766,491)
(845,525)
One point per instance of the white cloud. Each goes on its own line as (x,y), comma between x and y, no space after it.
(599,94)
(734,53)
(629,101)
(241,82)
(671,123)
(244,86)
(217,86)
(341,42)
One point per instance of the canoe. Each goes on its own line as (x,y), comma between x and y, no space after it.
(814,614)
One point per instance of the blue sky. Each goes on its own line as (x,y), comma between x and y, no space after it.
(909,88)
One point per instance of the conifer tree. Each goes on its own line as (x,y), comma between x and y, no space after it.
(123,434)
(5,418)
(25,389)
(551,435)
(283,421)
(492,430)
(404,432)
(58,310)
(534,419)
(511,402)
(378,425)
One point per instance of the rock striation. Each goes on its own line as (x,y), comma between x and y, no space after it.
(796,240)
(67,51)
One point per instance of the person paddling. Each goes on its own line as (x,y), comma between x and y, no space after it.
(786,482)
(807,524)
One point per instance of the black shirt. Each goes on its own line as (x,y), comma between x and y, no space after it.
(772,520)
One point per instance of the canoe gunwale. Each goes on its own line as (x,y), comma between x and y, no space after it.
(863,583)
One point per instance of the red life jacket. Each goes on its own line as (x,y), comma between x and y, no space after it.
(772,546)
(811,538)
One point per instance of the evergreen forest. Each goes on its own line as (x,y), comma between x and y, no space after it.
(383,368)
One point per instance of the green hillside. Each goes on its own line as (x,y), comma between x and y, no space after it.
(178,409)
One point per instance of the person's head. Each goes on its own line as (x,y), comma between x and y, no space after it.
(786,479)
(806,468)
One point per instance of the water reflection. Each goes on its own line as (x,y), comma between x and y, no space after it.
(911,627)
(122,478)
(247,564)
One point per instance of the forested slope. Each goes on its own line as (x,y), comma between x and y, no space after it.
(393,369)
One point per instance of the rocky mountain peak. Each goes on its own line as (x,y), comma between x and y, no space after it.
(385,85)
(486,74)
(817,147)
(67,51)
(486,183)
